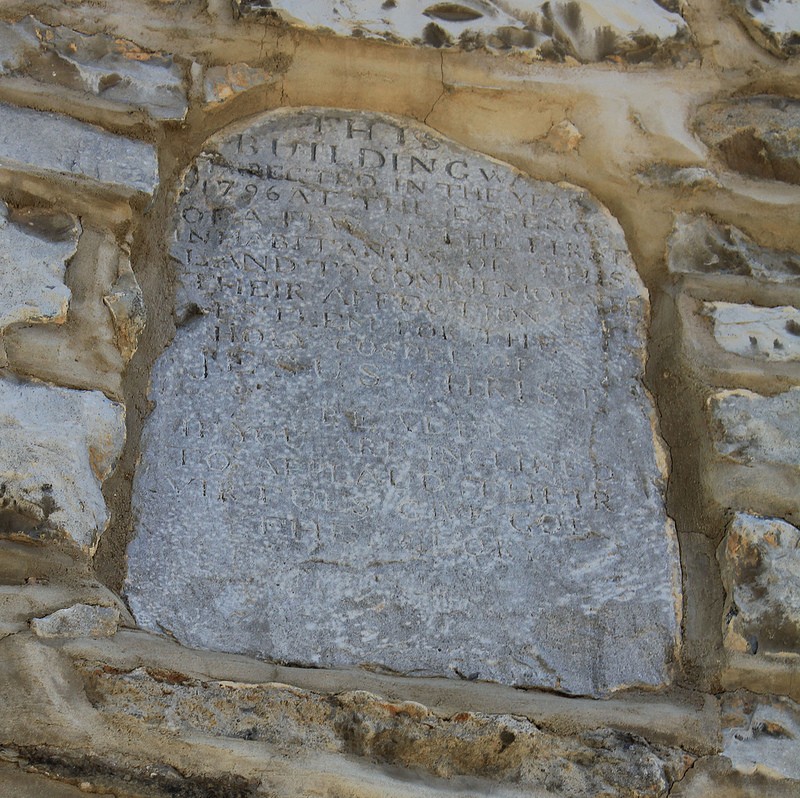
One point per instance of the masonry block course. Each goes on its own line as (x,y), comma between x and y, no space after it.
(195,301)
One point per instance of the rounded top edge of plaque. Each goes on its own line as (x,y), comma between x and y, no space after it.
(262,119)
(581,195)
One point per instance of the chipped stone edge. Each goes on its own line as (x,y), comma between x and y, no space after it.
(661,451)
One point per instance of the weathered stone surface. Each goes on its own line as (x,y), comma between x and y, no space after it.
(106,315)
(751,428)
(400,734)
(80,620)
(44,142)
(760,565)
(34,250)
(36,598)
(126,305)
(775,24)
(108,67)
(761,736)
(586,29)
(757,136)
(58,447)
(756,332)
(563,137)
(692,178)
(700,245)
(223,83)
(392,414)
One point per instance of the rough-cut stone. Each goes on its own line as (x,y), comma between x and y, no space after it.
(587,29)
(223,83)
(58,447)
(692,178)
(761,736)
(399,734)
(37,597)
(760,564)
(106,314)
(43,142)
(700,245)
(108,67)
(757,136)
(392,414)
(751,428)
(756,332)
(34,250)
(126,305)
(775,24)
(80,620)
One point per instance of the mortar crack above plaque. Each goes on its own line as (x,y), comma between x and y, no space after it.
(402,423)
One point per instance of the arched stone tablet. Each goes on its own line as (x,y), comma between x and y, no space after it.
(402,421)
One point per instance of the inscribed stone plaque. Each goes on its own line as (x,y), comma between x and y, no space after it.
(402,420)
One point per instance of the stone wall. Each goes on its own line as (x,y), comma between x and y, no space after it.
(399,399)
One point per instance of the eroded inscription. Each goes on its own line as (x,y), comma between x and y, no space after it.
(402,422)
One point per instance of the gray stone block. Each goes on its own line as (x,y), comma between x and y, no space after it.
(757,136)
(699,245)
(58,445)
(760,736)
(750,428)
(33,260)
(760,564)
(756,332)
(106,316)
(402,421)
(39,142)
(80,620)
(105,66)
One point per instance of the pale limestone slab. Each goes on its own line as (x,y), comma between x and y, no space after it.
(33,261)
(756,332)
(80,620)
(586,29)
(404,402)
(700,245)
(761,736)
(760,564)
(775,24)
(750,428)
(108,67)
(693,178)
(58,447)
(46,143)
